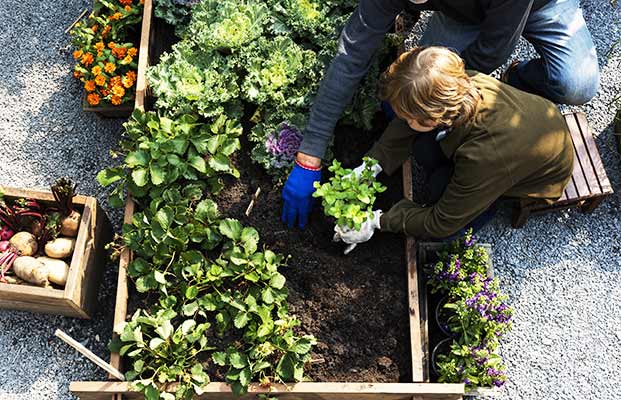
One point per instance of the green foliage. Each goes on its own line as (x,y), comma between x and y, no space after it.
(175,12)
(161,152)
(266,55)
(189,80)
(222,302)
(348,197)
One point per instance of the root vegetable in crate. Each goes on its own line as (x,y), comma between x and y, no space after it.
(64,191)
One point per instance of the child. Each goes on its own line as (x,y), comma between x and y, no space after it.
(476,138)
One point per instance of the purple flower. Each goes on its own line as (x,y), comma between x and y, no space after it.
(283,145)
(498,382)
(467,381)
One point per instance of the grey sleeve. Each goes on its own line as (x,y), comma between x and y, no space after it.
(502,27)
(359,40)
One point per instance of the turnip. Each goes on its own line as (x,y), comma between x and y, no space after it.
(64,191)
(31,270)
(25,243)
(57,270)
(60,248)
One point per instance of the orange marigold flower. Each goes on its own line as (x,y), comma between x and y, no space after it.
(131,75)
(100,80)
(119,52)
(118,91)
(78,54)
(128,60)
(93,99)
(125,2)
(104,92)
(112,45)
(87,59)
(141,1)
(127,82)
(99,53)
(115,81)
(116,100)
(116,16)
(106,30)
(77,74)
(109,67)
(89,86)
(96,70)
(100,46)
(127,8)
(132,52)
(94,28)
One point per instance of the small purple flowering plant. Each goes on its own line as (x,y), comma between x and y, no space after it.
(479,314)
(276,148)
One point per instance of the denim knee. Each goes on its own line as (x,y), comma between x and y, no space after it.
(577,85)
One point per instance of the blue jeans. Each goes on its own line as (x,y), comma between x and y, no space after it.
(566,70)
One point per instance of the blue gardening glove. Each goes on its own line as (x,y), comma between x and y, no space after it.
(297,195)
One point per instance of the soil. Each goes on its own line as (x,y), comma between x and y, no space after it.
(355,305)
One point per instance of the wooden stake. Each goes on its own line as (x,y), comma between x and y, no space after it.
(254,198)
(89,354)
(76,20)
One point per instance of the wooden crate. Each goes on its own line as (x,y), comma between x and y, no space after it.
(79,297)
(125,110)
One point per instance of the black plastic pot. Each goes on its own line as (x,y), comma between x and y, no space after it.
(443,347)
(442,316)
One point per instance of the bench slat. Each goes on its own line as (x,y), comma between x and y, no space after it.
(570,190)
(583,174)
(596,160)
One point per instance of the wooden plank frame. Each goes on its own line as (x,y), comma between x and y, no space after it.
(419,389)
(79,297)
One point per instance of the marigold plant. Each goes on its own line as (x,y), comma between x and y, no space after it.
(106,62)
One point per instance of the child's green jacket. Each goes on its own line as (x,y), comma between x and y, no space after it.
(517,145)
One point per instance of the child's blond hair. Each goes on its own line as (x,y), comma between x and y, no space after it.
(430,83)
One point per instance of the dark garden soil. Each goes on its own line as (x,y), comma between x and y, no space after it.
(355,305)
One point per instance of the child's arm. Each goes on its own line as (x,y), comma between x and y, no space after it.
(393,147)
(470,192)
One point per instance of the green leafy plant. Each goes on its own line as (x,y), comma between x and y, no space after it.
(349,197)
(160,152)
(175,12)
(222,310)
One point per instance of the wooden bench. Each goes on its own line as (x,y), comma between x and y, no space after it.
(588,185)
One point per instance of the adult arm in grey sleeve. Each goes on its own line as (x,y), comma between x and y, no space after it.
(359,40)
(502,27)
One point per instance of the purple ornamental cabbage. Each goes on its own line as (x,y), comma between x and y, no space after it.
(283,145)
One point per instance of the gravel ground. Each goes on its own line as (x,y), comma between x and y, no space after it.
(562,271)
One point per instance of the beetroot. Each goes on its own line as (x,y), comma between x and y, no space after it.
(6,233)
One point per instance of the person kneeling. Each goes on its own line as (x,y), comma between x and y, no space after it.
(476,138)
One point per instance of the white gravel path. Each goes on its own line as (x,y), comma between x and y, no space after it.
(562,271)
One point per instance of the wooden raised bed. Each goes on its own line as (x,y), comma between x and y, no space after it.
(79,297)
(301,391)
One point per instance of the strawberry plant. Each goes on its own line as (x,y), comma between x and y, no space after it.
(349,197)
(160,151)
(222,303)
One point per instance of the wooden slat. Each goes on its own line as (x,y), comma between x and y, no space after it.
(570,190)
(417,344)
(583,174)
(40,195)
(143,55)
(299,391)
(120,310)
(596,160)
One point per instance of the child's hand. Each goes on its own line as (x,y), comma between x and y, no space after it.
(354,237)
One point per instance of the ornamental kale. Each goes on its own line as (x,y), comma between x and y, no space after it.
(161,152)
(281,146)
(479,315)
(280,73)
(349,197)
(191,80)
(227,25)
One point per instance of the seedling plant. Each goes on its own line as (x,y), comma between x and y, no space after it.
(349,197)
